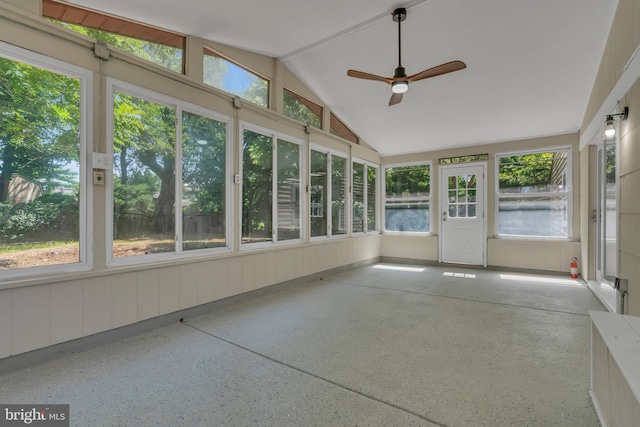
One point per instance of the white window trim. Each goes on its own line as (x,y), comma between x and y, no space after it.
(85,78)
(276,136)
(328,195)
(429,198)
(179,105)
(568,194)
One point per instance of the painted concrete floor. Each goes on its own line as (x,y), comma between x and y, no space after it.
(382,345)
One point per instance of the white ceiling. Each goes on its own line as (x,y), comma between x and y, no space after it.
(530,64)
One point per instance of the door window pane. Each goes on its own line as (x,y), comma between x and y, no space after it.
(610,213)
(203,182)
(462,196)
(39,167)
(143,177)
(288,190)
(257,187)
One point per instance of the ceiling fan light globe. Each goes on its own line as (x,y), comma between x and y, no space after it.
(399,87)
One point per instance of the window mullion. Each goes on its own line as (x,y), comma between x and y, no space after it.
(178,180)
(274,190)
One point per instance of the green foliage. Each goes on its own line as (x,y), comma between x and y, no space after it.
(166,56)
(526,170)
(39,126)
(411,181)
(52,215)
(297,110)
(257,194)
(203,164)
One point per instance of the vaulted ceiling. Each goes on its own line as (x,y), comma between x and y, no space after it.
(530,64)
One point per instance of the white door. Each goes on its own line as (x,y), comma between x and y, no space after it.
(462,208)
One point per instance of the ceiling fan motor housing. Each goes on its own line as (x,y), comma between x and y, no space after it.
(400,73)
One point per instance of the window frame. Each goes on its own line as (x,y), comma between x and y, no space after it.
(365,196)
(85,159)
(429,198)
(568,193)
(276,136)
(329,193)
(179,105)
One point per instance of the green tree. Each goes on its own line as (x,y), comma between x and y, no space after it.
(39,126)
(144,142)
(526,170)
(257,190)
(295,109)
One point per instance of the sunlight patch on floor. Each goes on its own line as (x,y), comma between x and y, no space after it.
(464,275)
(399,268)
(541,279)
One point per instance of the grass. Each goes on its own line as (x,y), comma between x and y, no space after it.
(17,247)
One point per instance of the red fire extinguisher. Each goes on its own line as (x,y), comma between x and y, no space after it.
(573,264)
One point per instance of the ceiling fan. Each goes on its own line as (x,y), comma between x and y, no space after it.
(400,81)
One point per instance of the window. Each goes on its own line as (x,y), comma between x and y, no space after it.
(301,109)
(328,185)
(372,198)
(43,192)
(337,127)
(166,151)
(364,206)
(158,46)
(357,212)
(338,195)
(203,182)
(319,193)
(268,158)
(408,189)
(223,74)
(534,194)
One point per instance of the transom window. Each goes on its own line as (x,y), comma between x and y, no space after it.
(300,108)
(226,75)
(534,194)
(407,196)
(158,46)
(337,127)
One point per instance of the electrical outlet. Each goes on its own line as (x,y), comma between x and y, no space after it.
(98,177)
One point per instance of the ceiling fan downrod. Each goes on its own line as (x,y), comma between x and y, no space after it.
(399,15)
